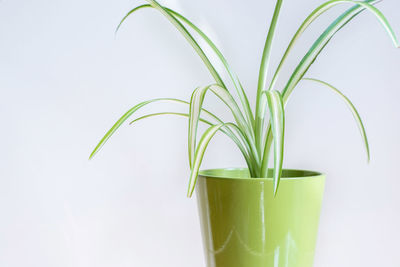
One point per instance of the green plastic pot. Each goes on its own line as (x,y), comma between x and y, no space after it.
(244,225)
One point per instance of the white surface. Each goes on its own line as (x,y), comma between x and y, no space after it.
(64,80)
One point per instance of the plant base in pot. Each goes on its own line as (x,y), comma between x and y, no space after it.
(244,225)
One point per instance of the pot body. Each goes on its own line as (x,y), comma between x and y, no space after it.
(244,225)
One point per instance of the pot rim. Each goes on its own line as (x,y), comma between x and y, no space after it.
(243,174)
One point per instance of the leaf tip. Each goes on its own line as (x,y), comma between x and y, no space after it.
(190,189)
(189,193)
(117,28)
(92,154)
(115,34)
(396,43)
(276,189)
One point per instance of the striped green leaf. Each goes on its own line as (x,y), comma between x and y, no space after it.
(262,76)
(130,13)
(323,40)
(239,88)
(263,72)
(306,23)
(277,112)
(198,158)
(317,48)
(267,148)
(353,110)
(129,113)
(186,34)
(180,114)
(196,103)
(229,129)
(226,129)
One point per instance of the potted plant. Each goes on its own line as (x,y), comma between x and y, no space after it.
(246,220)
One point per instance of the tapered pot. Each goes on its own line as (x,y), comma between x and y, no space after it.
(244,225)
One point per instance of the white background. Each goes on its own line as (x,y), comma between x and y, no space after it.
(64,80)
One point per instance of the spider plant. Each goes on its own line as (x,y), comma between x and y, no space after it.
(255,132)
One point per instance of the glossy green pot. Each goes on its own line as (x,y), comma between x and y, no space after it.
(243,225)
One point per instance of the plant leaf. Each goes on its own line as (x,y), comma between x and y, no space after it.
(353,110)
(262,76)
(126,116)
(276,109)
(306,23)
(323,40)
(196,103)
(242,95)
(198,158)
(267,148)
(313,53)
(172,17)
(130,13)
(227,129)
(168,113)
(263,72)
(186,34)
